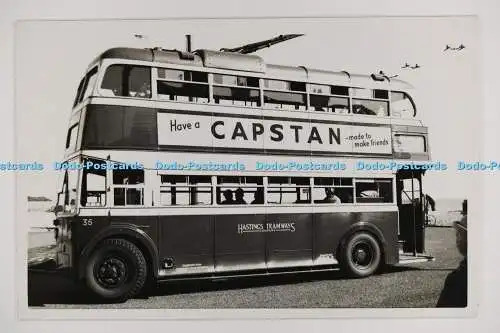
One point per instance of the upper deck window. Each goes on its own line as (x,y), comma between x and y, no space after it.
(78,92)
(71,138)
(370,93)
(320,98)
(89,83)
(233,80)
(127,81)
(401,105)
(284,85)
(285,95)
(236,90)
(86,86)
(182,86)
(370,107)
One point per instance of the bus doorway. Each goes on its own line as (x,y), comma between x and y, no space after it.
(411,211)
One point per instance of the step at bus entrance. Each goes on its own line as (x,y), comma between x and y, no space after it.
(410,199)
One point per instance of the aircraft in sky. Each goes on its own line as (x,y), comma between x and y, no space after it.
(459,48)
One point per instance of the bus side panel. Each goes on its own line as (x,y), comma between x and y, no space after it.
(84,230)
(188,241)
(235,247)
(331,228)
(328,231)
(291,246)
(387,223)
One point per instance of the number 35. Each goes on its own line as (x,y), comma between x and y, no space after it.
(87,222)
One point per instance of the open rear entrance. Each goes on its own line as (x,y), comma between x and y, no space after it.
(410,199)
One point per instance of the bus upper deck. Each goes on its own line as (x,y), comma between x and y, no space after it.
(165,99)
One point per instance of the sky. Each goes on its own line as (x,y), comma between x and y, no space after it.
(51,57)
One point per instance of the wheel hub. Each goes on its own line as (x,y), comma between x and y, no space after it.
(362,254)
(111,272)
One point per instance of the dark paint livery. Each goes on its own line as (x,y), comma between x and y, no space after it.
(214,244)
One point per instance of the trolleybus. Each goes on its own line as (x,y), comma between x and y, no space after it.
(188,165)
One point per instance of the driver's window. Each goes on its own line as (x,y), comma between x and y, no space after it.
(93,187)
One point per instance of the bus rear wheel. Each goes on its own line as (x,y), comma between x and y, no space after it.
(116,270)
(361,256)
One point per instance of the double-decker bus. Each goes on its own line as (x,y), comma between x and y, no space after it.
(188,165)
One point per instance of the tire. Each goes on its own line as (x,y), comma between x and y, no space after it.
(116,270)
(361,255)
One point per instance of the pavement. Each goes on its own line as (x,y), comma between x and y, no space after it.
(416,285)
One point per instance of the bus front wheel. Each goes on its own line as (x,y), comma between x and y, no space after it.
(116,270)
(361,255)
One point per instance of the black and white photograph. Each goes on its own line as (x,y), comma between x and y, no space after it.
(280,163)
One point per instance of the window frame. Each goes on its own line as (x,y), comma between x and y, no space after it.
(100,81)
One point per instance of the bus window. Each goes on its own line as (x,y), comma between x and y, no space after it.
(78,92)
(93,187)
(380,94)
(329,103)
(89,83)
(128,187)
(69,191)
(127,81)
(185,190)
(284,100)
(182,86)
(374,190)
(370,107)
(288,190)
(410,190)
(332,190)
(235,90)
(401,105)
(285,95)
(71,138)
(340,90)
(409,143)
(234,190)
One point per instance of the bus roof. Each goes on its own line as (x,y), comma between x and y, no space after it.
(253,64)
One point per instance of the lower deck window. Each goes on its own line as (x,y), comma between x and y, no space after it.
(373,191)
(185,190)
(128,187)
(240,190)
(333,190)
(289,190)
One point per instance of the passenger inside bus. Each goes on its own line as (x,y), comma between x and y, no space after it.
(258,197)
(330,196)
(239,197)
(228,197)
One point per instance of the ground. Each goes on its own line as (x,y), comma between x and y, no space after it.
(417,285)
